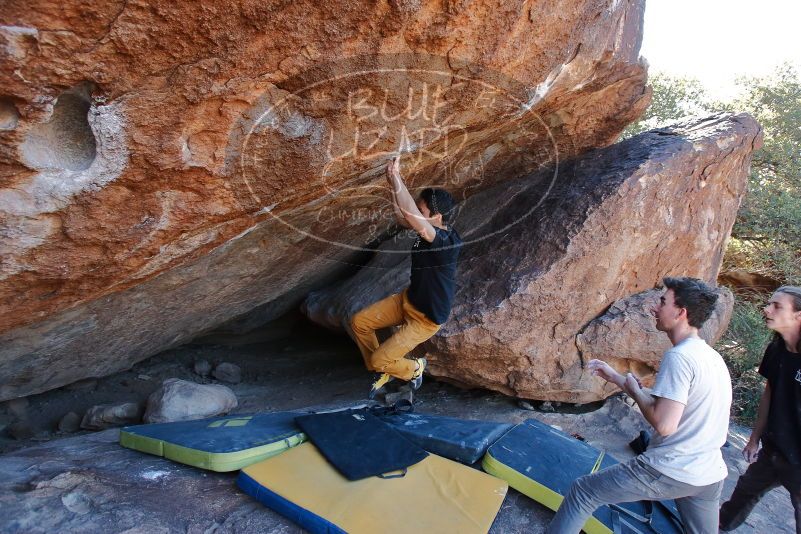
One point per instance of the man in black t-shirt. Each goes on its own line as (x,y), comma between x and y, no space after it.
(424,306)
(778,423)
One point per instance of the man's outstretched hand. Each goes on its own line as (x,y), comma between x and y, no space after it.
(631,385)
(628,383)
(393,170)
(605,371)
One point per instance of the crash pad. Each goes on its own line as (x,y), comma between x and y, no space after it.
(217,444)
(435,495)
(359,444)
(542,462)
(462,440)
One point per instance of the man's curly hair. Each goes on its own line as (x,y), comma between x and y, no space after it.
(695,296)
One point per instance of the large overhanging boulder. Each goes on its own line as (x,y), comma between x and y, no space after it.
(166,167)
(538,275)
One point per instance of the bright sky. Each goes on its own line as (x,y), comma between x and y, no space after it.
(718,40)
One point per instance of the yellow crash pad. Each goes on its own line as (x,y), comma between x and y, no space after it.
(435,495)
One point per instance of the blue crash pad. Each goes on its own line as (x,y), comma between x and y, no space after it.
(217,444)
(542,462)
(462,440)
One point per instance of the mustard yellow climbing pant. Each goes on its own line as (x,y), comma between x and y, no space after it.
(389,356)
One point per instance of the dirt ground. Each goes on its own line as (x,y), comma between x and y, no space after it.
(282,369)
(294,365)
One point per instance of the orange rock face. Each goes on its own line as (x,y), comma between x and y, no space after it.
(165,168)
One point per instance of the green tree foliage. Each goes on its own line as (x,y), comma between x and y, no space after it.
(742,347)
(767,234)
(674,98)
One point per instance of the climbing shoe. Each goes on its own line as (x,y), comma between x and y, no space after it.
(382,380)
(417,377)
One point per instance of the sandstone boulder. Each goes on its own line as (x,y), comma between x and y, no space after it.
(179,400)
(202,368)
(106,416)
(228,372)
(22,430)
(71,422)
(167,168)
(744,280)
(537,269)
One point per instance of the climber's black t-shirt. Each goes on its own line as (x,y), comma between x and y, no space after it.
(433,280)
(782,368)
